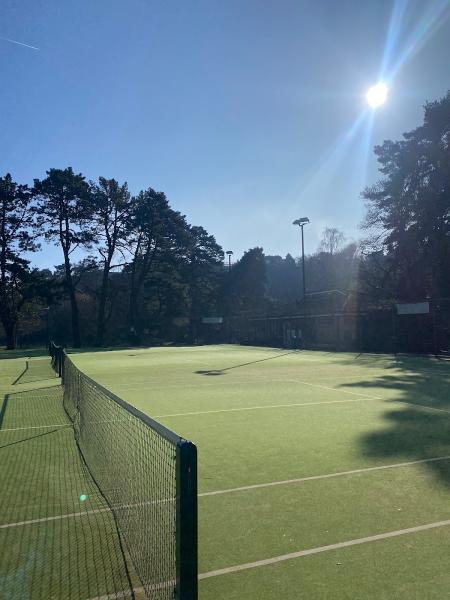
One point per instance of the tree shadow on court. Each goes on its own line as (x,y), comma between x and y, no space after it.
(421,429)
(223,371)
(58,538)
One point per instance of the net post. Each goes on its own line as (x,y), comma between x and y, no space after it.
(61,364)
(187,571)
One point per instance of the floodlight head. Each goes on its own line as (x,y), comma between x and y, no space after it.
(302,221)
(229,252)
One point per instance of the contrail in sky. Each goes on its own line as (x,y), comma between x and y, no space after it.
(18,43)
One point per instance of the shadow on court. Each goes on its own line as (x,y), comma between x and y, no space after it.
(58,538)
(421,429)
(223,371)
(36,370)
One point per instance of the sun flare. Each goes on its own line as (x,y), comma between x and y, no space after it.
(377,95)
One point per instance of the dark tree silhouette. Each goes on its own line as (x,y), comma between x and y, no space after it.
(246,287)
(155,232)
(204,266)
(111,213)
(408,215)
(64,212)
(16,237)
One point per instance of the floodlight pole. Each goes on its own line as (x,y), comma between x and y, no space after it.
(229,252)
(301,223)
(303,266)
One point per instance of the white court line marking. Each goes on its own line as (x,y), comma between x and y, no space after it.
(331,389)
(54,518)
(325,476)
(301,553)
(119,595)
(222,410)
(230,490)
(320,549)
(424,406)
(36,427)
(86,513)
(127,594)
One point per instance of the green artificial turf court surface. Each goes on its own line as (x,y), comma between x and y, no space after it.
(44,553)
(264,417)
(293,449)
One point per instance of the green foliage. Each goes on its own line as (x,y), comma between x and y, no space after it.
(64,212)
(146,274)
(245,288)
(408,216)
(111,205)
(17,282)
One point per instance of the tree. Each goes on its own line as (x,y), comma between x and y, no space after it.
(283,279)
(65,211)
(204,264)
(247,283)
(332,240)
(16,237)
(156,235)
(111,213)
(408,211)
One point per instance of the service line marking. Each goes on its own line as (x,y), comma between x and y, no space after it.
(242,408)
(325,476)
(231,490)
(55,518)
(424,406)
(332,389)
(320,549)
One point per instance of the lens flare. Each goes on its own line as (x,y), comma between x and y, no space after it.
(377,95)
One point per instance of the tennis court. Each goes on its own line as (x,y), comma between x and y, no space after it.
(58,538)
(321,475)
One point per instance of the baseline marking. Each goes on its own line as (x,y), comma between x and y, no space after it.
(223,410)
(325,476)
(36,427)
(299,554)
(320,549)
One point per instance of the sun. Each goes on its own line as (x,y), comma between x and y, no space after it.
(377,95)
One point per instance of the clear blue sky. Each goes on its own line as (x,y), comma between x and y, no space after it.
(239,110)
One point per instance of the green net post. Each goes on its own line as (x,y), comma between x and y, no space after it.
(187,572)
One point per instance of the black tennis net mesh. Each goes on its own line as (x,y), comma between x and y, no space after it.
(148,476)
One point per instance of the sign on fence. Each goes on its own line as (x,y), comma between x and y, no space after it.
(413,308)
(212,320)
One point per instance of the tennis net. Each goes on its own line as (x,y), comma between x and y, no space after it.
(147,475)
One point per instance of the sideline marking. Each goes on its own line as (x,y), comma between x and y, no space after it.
(222,410)
(325,476)
(320,549)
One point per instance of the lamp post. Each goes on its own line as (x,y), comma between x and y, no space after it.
(47,324)
(229,252)
(301,223)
